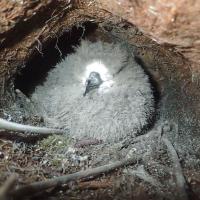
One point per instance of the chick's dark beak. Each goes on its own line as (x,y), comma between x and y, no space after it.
(87,89)
(93,82)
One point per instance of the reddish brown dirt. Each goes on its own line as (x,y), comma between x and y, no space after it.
(173,22)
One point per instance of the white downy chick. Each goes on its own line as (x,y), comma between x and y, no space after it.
(119,102)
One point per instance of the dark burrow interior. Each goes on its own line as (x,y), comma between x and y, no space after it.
(37,68)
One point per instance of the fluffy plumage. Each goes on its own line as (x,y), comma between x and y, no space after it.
(120,106)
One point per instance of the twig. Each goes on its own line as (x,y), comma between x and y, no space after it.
(125,143)
(36,187)
(87,142)
(180,180)
(94,185)
(7,187)
(12,126)
(142,174)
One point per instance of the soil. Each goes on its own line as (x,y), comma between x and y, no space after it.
(168,50)
(173,23)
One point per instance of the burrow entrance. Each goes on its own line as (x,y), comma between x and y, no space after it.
(37,67)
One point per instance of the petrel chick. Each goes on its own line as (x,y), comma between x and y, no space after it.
(120,99)
(94,81)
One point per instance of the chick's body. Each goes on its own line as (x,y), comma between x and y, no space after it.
(119,104)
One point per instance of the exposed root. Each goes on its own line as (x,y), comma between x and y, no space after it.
(94,185)
(142,174)
(36,187)
(141,138)
(11,126)
(87,142)
(180,179)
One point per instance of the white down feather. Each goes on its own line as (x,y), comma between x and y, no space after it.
(121,106)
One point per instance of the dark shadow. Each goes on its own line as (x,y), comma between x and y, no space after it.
(156,94)
(153,82)
(38,66)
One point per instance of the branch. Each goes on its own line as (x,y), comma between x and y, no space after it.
(141,138)
(36,187)
(12,126)
(145,176)
(180,180)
